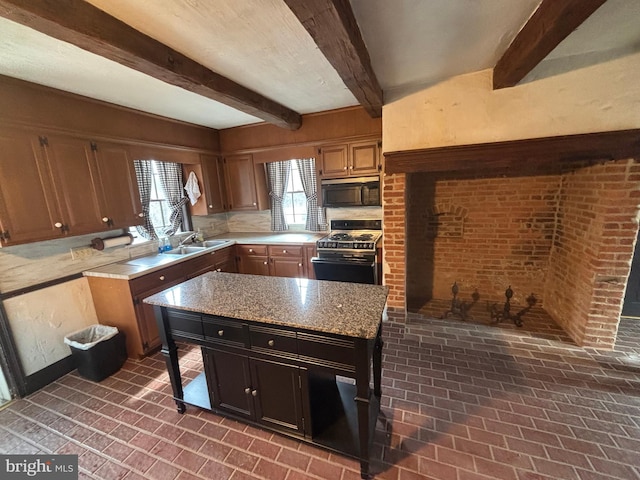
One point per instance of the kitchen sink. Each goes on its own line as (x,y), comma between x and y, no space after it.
(213,243)
(185,250)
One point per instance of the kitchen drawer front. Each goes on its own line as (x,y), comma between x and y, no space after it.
(251,250)
(220,330)
(185,324)
(285,250)
(328,351)
(271,340)
(153,280)
(197,266)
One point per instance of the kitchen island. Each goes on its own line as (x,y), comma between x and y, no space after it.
(288,354)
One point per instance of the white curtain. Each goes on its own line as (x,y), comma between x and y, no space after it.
(315,215)
(278,178)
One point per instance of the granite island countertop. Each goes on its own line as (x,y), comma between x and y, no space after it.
(350,309)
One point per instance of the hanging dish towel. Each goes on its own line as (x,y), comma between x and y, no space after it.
(192,188)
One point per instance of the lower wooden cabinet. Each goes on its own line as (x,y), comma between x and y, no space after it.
(118,302)
(273,260)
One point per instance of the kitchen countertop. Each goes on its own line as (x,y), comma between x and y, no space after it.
(350,309)
(137,267)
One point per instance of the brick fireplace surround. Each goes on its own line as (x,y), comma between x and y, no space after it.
(567,237)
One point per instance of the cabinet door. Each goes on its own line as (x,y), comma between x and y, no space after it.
(199,265)
(286,267)
(334,161)
(121,198)
(365,158)
(309,253)
(230,382)
(28,207)
(253,265)
(214,186)
(240,182)
(277,395)
(147,319)
(225,260)
(77,187)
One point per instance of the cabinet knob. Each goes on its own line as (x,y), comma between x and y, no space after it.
(141,214)
(161,277)
(254,204)
(344,168)
(57,225)
(251,250)
(220,333)
(264,263)
(271,343)
(105,219)
(247,390)
(254,393)
(218,269)
(284,251)
(299,264)
(210,206)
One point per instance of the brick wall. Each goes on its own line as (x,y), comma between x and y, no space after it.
(568,238)
(592,250)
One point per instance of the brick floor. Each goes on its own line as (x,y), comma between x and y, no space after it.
(461,401)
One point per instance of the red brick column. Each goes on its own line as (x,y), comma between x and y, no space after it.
(394,240)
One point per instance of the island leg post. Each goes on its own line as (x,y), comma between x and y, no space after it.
(377,363)
(363,404)
(170,353)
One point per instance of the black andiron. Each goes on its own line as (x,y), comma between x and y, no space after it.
(505,314)
(459,307)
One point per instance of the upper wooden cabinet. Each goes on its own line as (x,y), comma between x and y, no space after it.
(28,207)
(120,205)
(349,159)
(54,185)
(246,183)
(214,185)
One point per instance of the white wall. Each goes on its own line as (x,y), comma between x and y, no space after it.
(40,320)
(466,110)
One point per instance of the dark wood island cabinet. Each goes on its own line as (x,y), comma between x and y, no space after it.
(291,355)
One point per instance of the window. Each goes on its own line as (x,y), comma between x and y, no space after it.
(294,202)
(159,209)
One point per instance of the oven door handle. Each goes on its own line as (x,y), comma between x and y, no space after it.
(343,261)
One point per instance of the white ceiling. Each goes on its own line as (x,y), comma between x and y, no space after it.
(261,45)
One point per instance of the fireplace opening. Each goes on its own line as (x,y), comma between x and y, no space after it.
(564,237)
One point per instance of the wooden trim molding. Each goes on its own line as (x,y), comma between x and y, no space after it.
(87,27)
(551,23)
(515,156)
(332,25)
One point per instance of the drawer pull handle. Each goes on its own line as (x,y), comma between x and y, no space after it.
(141,214)
(57,225)
(271,343)
(254,393)
(220,333)
(251,250)
(284,251)
(247,390)
(105,219)
(161,277)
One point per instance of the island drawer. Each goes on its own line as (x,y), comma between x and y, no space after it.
(326,350)
(272,340)
(224,331)
(251,250)
(285,250)
(185,324)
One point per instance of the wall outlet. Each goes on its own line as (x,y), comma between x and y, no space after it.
(78,253)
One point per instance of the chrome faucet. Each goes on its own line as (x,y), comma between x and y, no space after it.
(186,239)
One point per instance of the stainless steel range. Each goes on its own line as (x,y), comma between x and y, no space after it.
(348,253)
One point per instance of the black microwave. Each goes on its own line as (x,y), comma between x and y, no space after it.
(350,192)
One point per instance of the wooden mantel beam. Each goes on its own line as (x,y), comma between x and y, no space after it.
(551,23)
(89,28)
(333,27)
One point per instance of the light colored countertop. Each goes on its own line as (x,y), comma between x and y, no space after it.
(137,267)
(350,309)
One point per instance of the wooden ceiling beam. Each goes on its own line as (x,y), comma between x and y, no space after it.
(551,23)
(517,156)
(87,27)
(333,26)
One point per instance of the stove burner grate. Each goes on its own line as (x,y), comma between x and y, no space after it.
(364,237)
(341,236)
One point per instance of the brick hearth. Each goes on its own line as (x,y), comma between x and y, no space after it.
(567,237)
